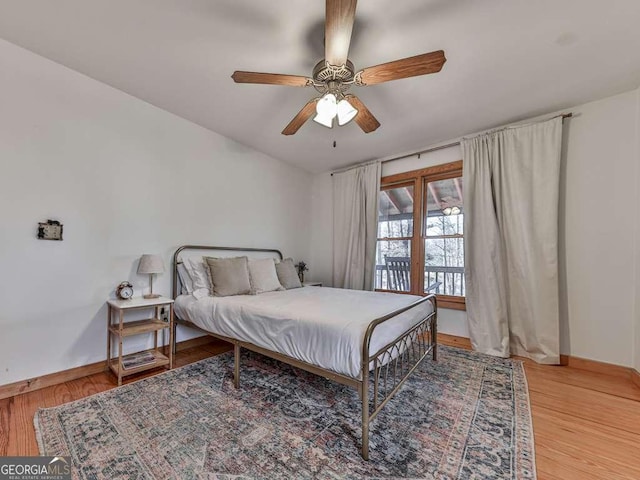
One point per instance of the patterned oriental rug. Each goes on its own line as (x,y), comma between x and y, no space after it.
(465,417)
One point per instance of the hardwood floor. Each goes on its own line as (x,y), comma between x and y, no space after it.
(586,424)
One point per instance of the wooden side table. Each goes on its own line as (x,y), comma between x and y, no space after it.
(120,329)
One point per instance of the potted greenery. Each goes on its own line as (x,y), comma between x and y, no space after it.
(301,267)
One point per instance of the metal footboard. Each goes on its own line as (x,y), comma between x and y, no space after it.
(385,370)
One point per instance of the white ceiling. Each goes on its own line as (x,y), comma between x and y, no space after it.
(507,60)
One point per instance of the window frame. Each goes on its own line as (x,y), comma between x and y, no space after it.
(401,184)
(419,178)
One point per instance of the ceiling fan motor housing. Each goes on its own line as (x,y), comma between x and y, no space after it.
(332,78)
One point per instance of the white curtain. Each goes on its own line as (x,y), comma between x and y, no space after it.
(355,224)
(511,189)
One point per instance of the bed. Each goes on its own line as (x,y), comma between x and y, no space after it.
(371,341)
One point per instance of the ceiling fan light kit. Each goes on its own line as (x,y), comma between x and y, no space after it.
(328,108)
(333,76)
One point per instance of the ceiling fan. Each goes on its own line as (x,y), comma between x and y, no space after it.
(335,74)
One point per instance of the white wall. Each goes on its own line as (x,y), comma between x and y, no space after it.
(598,244)
(597,264)
(125,178)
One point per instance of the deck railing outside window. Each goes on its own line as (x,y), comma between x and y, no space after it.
(440,280)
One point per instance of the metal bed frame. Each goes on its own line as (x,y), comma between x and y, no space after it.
(383,371)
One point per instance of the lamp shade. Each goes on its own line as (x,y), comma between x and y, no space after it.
(325,120)
(327,105)
(326,109)
(451,210)
(150,264)
(346,112)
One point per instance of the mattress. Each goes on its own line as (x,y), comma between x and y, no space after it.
(319,325)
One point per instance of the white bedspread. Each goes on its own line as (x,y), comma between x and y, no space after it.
(318,325)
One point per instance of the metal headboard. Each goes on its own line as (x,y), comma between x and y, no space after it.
(177,261)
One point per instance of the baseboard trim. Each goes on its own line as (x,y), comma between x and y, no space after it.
(595,366)
(565,360)
(36,383)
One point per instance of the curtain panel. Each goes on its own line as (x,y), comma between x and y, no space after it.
(511,190)
(355,224)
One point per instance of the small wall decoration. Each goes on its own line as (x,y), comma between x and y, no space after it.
(50,230)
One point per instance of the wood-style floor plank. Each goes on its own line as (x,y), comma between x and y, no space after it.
(218,347)
(82,387)
(191,356)
(598,382)
(603,409)
(5,407)
(22,438)
(559,467)
(586,425)
(591,446)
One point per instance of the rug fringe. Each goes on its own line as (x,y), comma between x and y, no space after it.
(533,442)
(36,426)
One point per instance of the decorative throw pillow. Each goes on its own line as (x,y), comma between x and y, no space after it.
(287,274)
(197,269)
(263,276)
(230,276)
(185,279)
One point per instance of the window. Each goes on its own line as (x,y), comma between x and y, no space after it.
(395,234)
(430,257)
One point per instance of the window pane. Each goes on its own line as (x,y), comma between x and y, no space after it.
(444,225)
(444,266)
(393,265)
(444,208)
(395,212)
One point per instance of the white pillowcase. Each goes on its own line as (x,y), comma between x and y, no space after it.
(287,274)
(185,279)
(263,276)
(197,270)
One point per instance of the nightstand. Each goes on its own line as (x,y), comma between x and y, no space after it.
(311,284)
(120,329)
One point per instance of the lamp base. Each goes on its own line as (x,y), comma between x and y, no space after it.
(151,295)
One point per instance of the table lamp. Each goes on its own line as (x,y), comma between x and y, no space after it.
(150,264)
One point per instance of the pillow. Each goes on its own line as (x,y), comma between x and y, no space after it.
(197,270)
(185,279)
(287,274)
(263,276)
(230,276)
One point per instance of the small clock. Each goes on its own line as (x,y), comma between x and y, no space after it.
(124,291)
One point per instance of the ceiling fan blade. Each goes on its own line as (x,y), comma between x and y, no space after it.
(407,67)
(337,30)
(365,119)
(271,79)
(303,115)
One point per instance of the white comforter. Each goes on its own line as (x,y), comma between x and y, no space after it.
(318,325)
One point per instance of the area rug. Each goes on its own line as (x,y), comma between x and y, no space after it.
(466,416)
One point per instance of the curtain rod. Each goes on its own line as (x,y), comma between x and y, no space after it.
(432,149)
(454,144)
